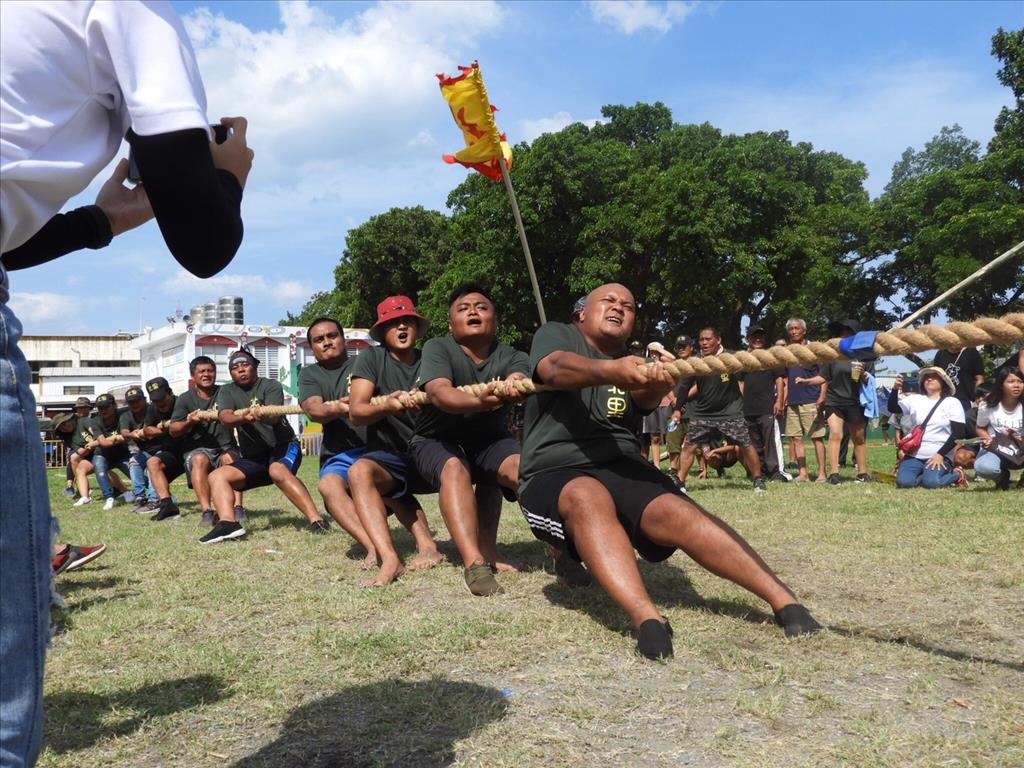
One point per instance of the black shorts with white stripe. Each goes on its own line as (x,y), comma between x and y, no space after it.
(632,483)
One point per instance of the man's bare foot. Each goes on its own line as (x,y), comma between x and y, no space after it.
(369,561)
(504,566)
(802,477)
(387,574)
(426,559)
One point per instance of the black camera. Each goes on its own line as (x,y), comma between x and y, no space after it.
(220,135)
(911,385)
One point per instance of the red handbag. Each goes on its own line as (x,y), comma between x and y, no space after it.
(912,442)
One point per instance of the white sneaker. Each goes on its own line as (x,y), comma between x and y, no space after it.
(83,501)
(128,497)
(109,504)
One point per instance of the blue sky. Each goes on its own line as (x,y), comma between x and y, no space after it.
(347,121)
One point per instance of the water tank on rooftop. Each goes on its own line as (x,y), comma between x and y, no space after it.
(196,315)
(210,312)
(230,310)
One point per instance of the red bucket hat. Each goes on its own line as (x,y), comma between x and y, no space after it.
(394,307)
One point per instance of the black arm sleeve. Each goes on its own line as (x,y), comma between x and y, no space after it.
(958,431)
(196,205)
(86,227)
(894,402)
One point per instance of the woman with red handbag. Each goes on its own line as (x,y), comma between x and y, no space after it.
(935,422)
(1001,416)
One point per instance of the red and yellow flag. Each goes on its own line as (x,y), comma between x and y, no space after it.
(473,113)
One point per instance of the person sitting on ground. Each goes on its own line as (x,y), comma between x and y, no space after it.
(716,403)
(132,424)
(269,452)
(840,404)
(939,413)
(1002,413)
(166,453)
(385,472)
(65,429)
(81,458)
(206,445)
(83,410)
(461,440)
(324,397)
(111,451)
(764,401)
(803,408)
(585,489)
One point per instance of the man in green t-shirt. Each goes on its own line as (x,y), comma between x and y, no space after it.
(384,473)
(132,424)
(324,397)
(716,412)
(585,488)
(206,445)
(462,439)
(269,452)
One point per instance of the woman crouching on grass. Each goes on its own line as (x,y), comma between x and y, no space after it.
(1001,413)
(942,419)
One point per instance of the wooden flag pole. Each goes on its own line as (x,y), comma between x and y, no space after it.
(522,239)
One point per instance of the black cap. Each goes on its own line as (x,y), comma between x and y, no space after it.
(134,393)
(83,402)
(158,388)
(835,327)
(683,341)
(754,328)
(106,400)
(243,354)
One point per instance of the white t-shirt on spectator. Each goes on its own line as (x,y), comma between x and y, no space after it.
(74,78)
(998,420)
(937,432)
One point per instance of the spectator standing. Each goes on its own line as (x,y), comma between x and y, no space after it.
(764,398)
(803,411)
(965,369)
(677,420)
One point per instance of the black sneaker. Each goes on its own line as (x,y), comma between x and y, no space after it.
(168,510)
(222,531)
(795,620)
(654,639)
(833,479)
(241,514)
(862,478)
(319,528)
(781,477)
(759,485)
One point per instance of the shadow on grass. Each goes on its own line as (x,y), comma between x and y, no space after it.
(79,719)
(63,619)
(921,645)
(390,722)
(667,585)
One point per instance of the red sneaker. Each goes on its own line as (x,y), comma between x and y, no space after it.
(75,557)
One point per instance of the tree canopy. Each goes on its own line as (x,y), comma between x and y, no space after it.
(707,228)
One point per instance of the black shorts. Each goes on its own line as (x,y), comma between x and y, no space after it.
(633,484)
(852,414)
(257,468)
(402,470)
(173,463)
(484,459)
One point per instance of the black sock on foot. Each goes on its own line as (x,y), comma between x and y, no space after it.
(654,639)
(795,620)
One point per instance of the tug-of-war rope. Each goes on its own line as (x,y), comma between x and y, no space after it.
(985,330)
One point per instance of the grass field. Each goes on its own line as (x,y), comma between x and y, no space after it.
(267,652)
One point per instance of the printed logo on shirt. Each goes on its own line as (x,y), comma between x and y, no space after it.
(725,378)
(616,404)
(954,374)
(255,401)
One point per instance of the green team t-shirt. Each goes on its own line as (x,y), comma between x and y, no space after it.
(443,358)
(76,439)
(127,420)
(388,375)
(575,428)
(164,442)
(255,438)
(95,427)
(332,384)
(718,396)
(205,434)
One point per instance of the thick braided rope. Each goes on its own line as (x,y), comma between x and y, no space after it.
(985,330)
(115,439)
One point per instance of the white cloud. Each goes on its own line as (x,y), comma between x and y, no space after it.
(44,307)
(272,291)
(321,94)
(631,16)
(870,114)
(531,129)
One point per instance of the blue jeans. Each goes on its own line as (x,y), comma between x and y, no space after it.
(989,465)
(913,472)
(141,484)
(101,465)
(25,552)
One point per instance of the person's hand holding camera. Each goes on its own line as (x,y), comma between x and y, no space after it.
(233,155)
(125,207)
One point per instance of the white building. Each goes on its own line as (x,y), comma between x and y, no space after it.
(67,367)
